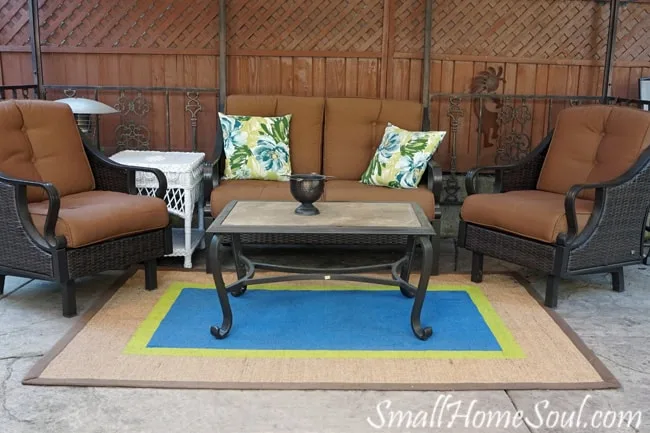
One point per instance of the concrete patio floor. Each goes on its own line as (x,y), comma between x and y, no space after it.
(614,325)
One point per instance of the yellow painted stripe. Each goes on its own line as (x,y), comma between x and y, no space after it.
(137,345)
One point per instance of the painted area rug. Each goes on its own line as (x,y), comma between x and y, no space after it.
(322,335)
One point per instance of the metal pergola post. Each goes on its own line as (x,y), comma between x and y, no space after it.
(35,39)
(611,48)
(222,54)
(426,63)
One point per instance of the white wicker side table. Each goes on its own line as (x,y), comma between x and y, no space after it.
(184,172)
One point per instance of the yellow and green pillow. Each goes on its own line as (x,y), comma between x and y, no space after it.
(256,147)
(402,157)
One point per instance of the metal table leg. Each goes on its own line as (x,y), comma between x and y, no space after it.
(220,332)
(405,274)
(427,262)
(239,265)
(245,268)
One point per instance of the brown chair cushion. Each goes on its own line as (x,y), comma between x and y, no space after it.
(91,217)
(306,127)
(351,190)
(593,144)
(16,156)
(248,190)
(533,214)
(354,128)
(57,151)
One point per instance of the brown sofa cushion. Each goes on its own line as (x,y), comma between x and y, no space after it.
(306,128)
(42,143)
(351,190)
(593,144)
(533,214)
(248,190)
(95,216)
(354,128)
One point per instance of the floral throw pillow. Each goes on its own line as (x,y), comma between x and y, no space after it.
(256,147)
(402,157)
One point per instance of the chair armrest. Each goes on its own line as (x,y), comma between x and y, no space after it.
(49,240)
(620,212)
(210,181)
(212,170)
(434,179)
(113,176)
(521,175)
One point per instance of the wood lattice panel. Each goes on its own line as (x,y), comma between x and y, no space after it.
(409,26)
(14,23)
(295,25)
(535,29)
(167,24)
(539,29)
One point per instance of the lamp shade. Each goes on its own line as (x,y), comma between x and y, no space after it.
(87,106)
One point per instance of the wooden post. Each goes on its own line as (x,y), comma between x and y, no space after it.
(426,63)
(35,39)
(611,48)
(222,55)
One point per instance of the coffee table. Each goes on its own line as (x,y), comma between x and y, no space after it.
(339,218)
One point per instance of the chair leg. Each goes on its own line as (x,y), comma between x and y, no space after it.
(552,288)
(150,275)
(477,267)
(69,295)
(2,284)
(618,281)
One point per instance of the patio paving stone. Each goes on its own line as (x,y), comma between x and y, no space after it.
(12,284)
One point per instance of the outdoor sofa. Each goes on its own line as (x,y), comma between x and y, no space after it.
(336,137)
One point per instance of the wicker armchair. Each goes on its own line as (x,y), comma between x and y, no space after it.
(576,205)
(67,211)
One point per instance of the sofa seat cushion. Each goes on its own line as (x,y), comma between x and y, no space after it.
(229,190)
(351,190)
(92,217)
(533,214)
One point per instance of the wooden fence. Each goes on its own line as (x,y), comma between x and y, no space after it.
(364,48)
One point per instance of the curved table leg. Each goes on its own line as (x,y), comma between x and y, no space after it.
(220,332)
(239,266)
(427,264)
(405,274)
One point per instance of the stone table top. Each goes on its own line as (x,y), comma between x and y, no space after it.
(335,217)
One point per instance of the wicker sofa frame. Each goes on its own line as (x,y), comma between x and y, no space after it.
(611,240)
(24,252)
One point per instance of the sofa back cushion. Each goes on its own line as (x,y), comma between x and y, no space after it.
(354,128)
(305,130)
(593,144)
(41,142)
